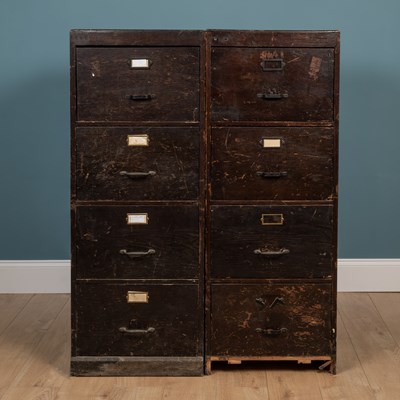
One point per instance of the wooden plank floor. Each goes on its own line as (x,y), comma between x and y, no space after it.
(35,346)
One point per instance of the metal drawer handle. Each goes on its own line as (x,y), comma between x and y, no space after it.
(280,252)
(141,97)
(272,96)
(271,332)
(272,174)
(137,254)
(137,175)
(124,329)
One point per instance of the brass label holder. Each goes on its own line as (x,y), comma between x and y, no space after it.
(272,219)
(137,297)
(137,218)
(140,63)
(141,140)
(271,143)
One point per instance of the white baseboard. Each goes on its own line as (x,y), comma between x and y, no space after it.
(35,276)
(369,275)
(53,276)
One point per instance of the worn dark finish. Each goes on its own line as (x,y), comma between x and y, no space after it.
(172,311)
(281,87)
(106,84)
(301,91)
(238,123)
(242,247)
(137,146)
(104,241)
(138,366)
(103,155)
(240,164)
(273,38)
(135,37)
(271,319)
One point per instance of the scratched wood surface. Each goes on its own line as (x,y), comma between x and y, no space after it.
(35,351)
(168,243)
(240,164)
(240,85)
(242,247)
(166,325)
(171,161)
(105,84)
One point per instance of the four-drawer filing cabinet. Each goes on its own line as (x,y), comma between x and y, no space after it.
(203,199)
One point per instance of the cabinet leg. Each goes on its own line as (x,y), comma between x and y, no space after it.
(207,367)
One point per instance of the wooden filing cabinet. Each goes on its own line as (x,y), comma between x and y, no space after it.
(203,199)
(272,201)
(138,202)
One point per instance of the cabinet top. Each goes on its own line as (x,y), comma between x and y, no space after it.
(248,38)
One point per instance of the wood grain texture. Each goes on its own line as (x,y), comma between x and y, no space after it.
(305,155)
(105,83)
(274,38)
(172,233)
(172,155)
(238,80)
(237,232)
(27,330)
(261,380)
(168,324)
(298,317)
(376,348)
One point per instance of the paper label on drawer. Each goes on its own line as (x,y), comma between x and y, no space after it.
(271,143)
(138,140)
(140,63)
(137,219)
(137,297)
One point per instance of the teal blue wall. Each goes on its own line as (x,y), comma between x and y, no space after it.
(34,107)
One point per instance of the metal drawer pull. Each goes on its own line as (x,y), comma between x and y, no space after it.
(137,254)
(124,329)
(273,64)
(272,174)
(141,97)
(280,252)
(138,175)
(272,332)
(272,96)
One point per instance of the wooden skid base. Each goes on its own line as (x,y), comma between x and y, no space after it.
(137,366)
(300,360)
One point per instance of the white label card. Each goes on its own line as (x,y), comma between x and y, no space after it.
(140,63)
(138,140)
(137,219)
(271,143)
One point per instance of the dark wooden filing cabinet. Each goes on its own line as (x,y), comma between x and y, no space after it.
(203,199)
(138,202)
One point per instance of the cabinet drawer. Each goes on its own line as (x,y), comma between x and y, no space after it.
(281,84)
(109,89)
(271,319)
(158,320)
(271,241)
(147,241)
(137,163)
(272,163)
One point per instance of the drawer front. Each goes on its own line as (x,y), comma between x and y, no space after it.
(158,320)
(147,241)
(271,241)
(261,84)
(272,163)
(109,89)
(271,320)
(137,163)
